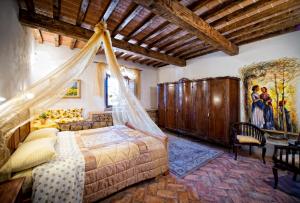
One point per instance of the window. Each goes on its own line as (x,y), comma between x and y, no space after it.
(111,89)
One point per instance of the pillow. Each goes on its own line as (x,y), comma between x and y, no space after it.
(42,133)
(30,154)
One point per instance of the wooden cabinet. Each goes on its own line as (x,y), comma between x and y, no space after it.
(201,109)
(161,88)
(204,108)
(184,105)
(170,117)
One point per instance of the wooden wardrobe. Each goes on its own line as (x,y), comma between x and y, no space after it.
(203,108)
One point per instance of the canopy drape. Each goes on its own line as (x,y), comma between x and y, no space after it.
(49,90)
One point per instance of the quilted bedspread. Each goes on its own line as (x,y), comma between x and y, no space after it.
(118,156)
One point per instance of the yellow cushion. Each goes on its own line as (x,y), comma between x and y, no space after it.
(247,139)
(30,154)
(41,133)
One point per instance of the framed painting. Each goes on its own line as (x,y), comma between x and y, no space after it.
(272,94)
(74,91)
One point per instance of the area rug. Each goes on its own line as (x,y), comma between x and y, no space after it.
(286,184)
(186,156)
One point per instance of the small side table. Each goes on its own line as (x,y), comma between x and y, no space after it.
(11,191)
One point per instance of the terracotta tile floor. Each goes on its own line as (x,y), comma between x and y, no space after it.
(221,180)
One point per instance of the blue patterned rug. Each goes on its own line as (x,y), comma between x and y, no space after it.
(186,156)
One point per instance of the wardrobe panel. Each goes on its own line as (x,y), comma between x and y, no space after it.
(218,109)
(161,104)
(170,106)
(201,108)
(184,104)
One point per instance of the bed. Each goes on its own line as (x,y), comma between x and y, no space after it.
(113,158)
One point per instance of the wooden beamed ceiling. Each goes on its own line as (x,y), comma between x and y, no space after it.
(161,32)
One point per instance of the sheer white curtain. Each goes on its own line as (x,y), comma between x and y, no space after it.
(128,108)
(45,92)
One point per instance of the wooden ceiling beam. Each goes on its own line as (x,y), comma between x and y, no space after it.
(162,26)
(273,34)
(269,29)
(38,35)
(249,16)
(56,9)
(209,7)
(30,6)
(56,40)
(279,9)
(132,13)
(263,18)
(263,25)
(82,11)
(158,28)
(253,36)
(171,49)
(72,44)
(143,25)
(151,62)
(79,33)
(152,44)
(112,6)
(174,41)
(230,9)
(178,14)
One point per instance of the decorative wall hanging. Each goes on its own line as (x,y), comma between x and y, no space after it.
(270,94)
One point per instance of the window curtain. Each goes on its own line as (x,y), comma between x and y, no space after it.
(101,71)
(101,74)
(137,73)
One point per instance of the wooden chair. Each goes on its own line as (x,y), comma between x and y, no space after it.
(286,158)
(247,134)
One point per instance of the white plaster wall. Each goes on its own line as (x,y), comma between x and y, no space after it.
(220,64)
(15,49)
(47,58)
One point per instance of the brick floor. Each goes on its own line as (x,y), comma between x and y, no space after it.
(221,180)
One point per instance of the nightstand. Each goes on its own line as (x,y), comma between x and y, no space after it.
(11,190)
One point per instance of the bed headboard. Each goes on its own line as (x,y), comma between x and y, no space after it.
(19,136)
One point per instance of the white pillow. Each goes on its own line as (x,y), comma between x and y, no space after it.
(42,133)
(31,154)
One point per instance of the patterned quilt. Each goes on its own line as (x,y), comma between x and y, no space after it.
(116,157)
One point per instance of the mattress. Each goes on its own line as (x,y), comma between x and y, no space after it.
(118,156)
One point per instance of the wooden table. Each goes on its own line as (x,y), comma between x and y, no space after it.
(11,190)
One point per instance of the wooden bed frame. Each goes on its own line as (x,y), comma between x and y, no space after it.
(18,136)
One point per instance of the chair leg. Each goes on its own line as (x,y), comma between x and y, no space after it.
(235,151)
(275,173)
(295,177)
(264,154)
(250,150)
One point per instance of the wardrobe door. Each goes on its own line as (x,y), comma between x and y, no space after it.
(170,121)
(218,119)
(161,104)
(184,105)
(201,108)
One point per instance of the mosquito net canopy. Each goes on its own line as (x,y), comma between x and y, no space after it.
(47,91)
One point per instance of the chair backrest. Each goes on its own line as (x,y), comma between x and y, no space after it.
(248,129)
(289,156)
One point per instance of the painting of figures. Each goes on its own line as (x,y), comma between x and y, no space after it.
(271,91)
